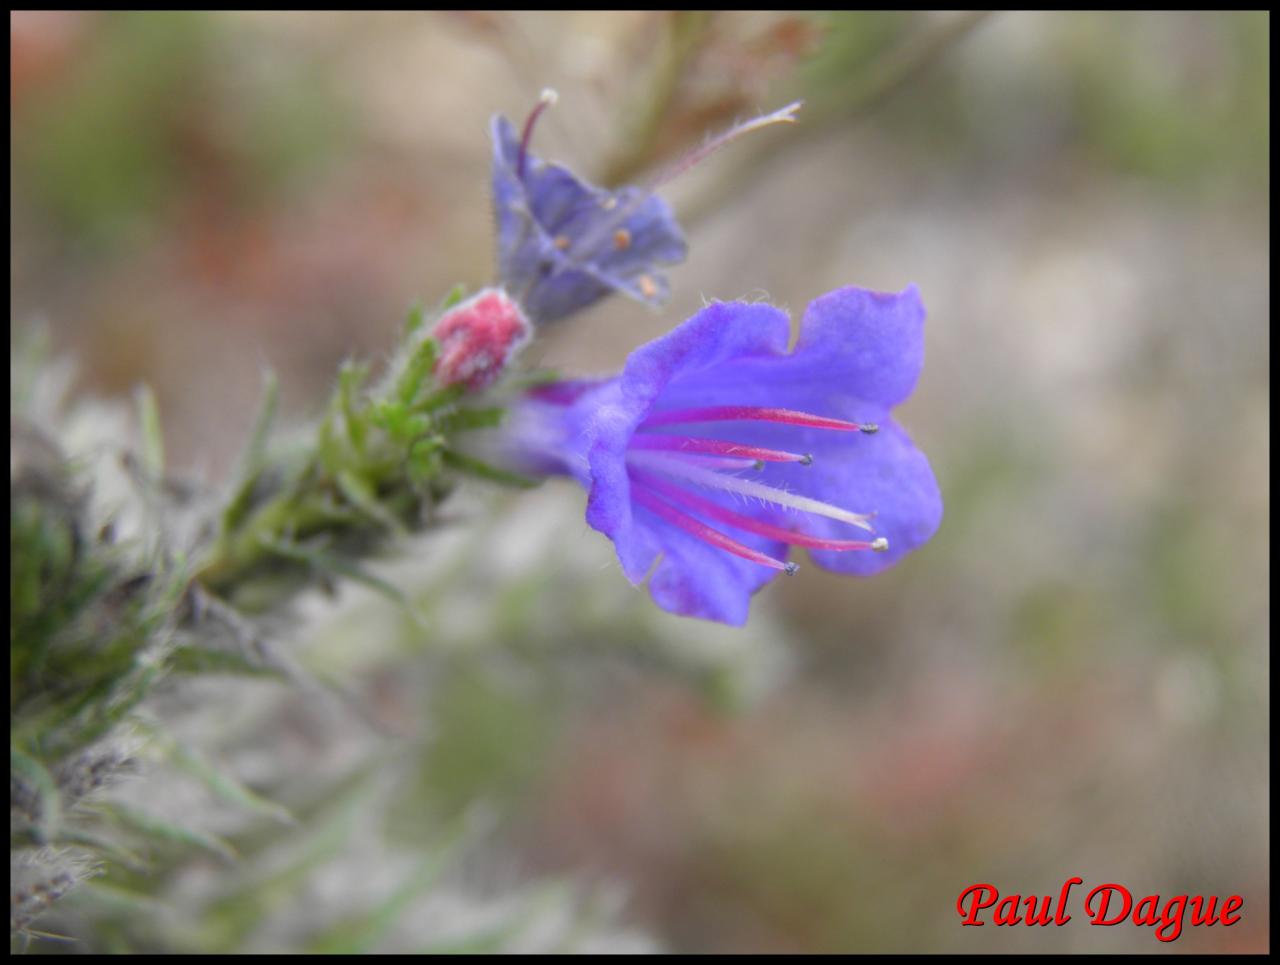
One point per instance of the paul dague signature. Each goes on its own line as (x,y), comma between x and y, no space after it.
(1108,904)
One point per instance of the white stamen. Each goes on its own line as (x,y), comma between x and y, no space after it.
(682,469)
(729,463)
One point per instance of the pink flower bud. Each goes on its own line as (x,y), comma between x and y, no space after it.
(478,337)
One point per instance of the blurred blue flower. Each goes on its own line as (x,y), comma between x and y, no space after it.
(716,449)
(563,243)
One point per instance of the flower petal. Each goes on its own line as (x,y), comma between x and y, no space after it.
(606,419)
(692,353)
(564,243)
(696,579)
(860,353)
(884,474)
(872,342)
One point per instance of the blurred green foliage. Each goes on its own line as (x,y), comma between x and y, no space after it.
(489,739)
(156,110)
(1188,102)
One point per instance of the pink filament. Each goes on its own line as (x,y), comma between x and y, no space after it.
(704,532)
(739,521)
(746,413)
(713,447)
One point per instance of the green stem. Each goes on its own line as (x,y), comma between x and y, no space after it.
(235,554)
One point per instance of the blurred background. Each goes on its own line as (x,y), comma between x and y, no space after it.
(1071,679)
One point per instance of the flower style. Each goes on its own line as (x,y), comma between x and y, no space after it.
(563,243)
(716,449)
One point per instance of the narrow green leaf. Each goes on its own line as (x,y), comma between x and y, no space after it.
(417,371)
(120,898)
(475,467)
(350,378)
(361,495)
(330,563)
(329,451)
(108,849)
(96,716)
(255,451)
(152,438)
(28,933)
(465,419)
(49,801)
(254,457)
(231,917)
(442,398)
(456,294)
(423,458)
(201,660)
(388,416)
(413,321)
(153,827)
(224,785)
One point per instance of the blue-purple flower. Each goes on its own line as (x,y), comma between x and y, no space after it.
(716,449)
(563,243)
